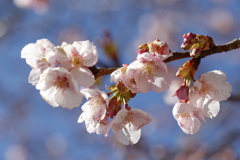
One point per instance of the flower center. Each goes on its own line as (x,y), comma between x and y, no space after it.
(206,89)
(96,101)
(76,58)
(150,68)
(61,82)
(184,118)
(184,115)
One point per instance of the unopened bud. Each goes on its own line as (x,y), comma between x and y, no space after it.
(195,52)
(184,70)
(182,93)
(188,40)
(113,107)
(188,69)
(196,43)
(155,47)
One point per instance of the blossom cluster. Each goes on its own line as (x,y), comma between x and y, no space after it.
(57,71)
(63,76)
(147,71)
(201,100)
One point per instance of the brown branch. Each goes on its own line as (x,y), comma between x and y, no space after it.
(234,44)
(98,72)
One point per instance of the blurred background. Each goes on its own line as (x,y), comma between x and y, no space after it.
(30,129)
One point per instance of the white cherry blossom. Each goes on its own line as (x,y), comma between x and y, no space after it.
(58,88)
(94,111)
(40,56)
(128,123)
(148,72)
(188,117)
(160,49)
(208,90)
(81,54)
(121,75)
(101,127)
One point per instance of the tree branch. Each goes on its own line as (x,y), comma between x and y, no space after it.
(234,44)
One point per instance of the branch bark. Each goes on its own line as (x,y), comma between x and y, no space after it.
(234,44)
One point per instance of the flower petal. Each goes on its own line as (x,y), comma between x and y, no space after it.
(83,76)
(161,82)
(34,76)
(128,135)
(68,99)
(140,118)
(190,125)
(49,96)
(211,107)
(142,83)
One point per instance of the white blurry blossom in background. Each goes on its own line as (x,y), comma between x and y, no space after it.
(39,6)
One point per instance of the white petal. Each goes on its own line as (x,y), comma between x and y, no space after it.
(191,126)
(34,76)
(104,96)
(68,99)
(128,135)
(116,75)
(45,43)
(83,76)
(194,96)
(31,53)
(31,50)
(82,117)
(49,96)
(221,92)
(181,108)
(197,84)
(210,108)
(103,129)
(89,92)
(161,82)
(142,83)
(140,118)
(47,78)
(88,51)
(90,127)
(146,55)
(214,76)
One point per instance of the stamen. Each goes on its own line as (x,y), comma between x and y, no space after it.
(76,59)
(150,68)
(61,83)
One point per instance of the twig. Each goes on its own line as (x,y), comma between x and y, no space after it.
(234,44)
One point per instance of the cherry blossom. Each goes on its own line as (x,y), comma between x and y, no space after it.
(101,127)
(149,72)
(121,75)
(40,56)
(157,48)
(81,54)
(188,117)
(58,71)
(58,88)
(94,111)
(208,90)
(39,6)
(128,123)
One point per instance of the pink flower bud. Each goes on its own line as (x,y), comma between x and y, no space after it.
(113,107)
(195,52)
(182,93)
(188,40)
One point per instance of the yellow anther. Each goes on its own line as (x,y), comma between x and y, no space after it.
(150,68)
